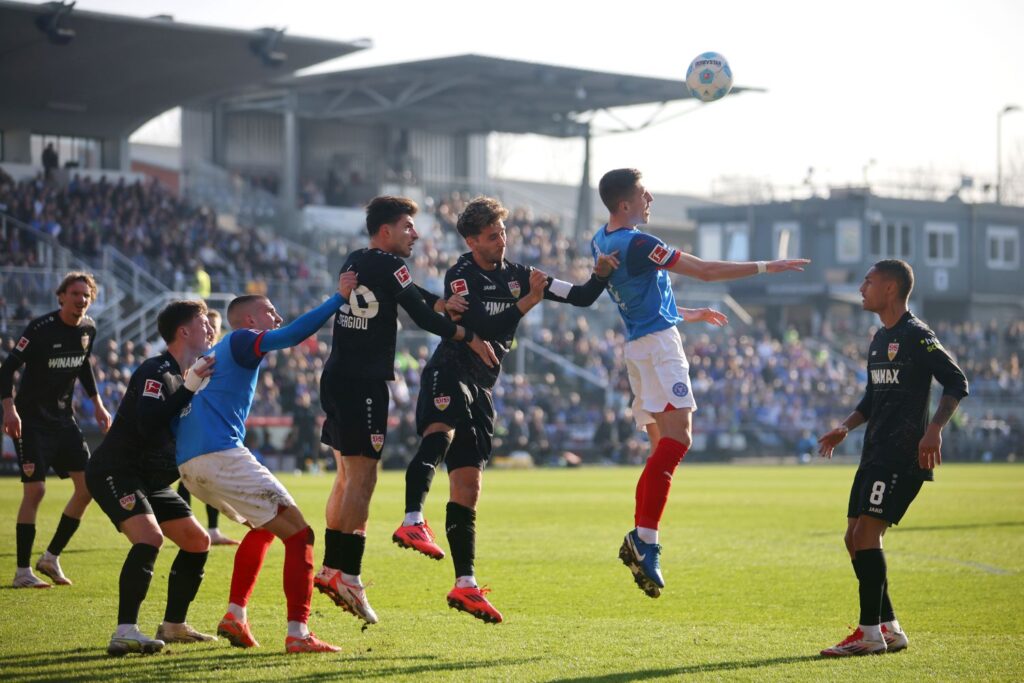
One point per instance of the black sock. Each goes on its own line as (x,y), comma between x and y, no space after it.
(183,584)
(332,549)
(26,536)
(888,614)
(66,528)
(212,516)
(136,573)
(350,553)
(185,494)
(420,471)
(460,526)
(870,568)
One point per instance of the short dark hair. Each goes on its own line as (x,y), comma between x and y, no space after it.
(387,209)
(78,276)
(617,185)
(176,314)
(901,272)
(240,302)
(480,213)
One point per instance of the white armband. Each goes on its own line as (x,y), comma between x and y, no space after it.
(560,288)
(762,267)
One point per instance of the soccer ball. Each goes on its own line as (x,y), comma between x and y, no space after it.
(709,77)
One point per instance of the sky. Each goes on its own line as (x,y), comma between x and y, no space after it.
(883,89)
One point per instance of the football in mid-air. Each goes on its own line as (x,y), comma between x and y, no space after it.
(709,77)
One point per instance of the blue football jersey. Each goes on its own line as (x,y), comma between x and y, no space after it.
(215,420)
(640,287)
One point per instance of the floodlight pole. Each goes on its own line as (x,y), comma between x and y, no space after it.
(999,149)
(584,206)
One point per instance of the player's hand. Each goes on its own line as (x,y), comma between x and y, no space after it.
(782,265)
(102,416)
(200,370)
(538,283)
(455,306)
(605,264)
(12,422)
(707,315)
(929,449)
(828,442)
(347,281)
(484,350)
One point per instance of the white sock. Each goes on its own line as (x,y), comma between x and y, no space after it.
(412,518)
(213,531)
(126,630)
(23,571)
(892,626)
(238,612)
(47,555)
(351,579)
(873,632)
(466,582)
(298,629)
(647,535)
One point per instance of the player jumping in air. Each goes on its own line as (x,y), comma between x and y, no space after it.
(130,477)
(657,366)
(218,469)
(454,412)
(354,391)
(901,446)
(55,350)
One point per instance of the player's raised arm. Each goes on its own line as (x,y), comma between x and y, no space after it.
(587,293)
(718,271)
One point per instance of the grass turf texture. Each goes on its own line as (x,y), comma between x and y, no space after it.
(758,582)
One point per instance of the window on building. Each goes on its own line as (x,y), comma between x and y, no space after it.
(737,242)
(1003,247)
(940,244)
(709,236)
(71,152)
(848,240)
(890,239)
(786,240)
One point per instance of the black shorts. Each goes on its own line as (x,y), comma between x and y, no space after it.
(122,495)
(44,445)
(880,492)
(467,408)
(356,415)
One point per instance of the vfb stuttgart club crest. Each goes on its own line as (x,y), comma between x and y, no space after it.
(513,286)
(893,350)
(128,502)
(377,441)
(29,468)
(442,402)
(85,342)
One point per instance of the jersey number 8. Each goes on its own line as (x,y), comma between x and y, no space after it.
(877,491)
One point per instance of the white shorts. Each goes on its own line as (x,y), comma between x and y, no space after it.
(234,482)
(659,375)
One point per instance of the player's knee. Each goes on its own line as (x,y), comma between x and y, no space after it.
(685,438)
(198,541)
(34,492)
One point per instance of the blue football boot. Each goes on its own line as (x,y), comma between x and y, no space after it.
(644,560)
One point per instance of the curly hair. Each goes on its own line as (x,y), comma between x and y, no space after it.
(480,213)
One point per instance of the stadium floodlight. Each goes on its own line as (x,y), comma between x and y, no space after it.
(265,47)
(50,23)
(999,149)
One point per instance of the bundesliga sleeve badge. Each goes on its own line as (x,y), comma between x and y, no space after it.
(22,344)
(460,287)
(152,388)
(659,254)
(403,276)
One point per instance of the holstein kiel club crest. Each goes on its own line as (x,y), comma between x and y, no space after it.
(893,350)
(441,402)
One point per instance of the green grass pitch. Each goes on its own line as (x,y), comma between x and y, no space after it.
(758,583)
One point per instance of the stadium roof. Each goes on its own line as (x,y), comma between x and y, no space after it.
(466,94)
(117,72)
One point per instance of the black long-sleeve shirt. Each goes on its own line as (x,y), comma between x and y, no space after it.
(54,354)
(902,361)
(365,327)
(493,314)
(141,439)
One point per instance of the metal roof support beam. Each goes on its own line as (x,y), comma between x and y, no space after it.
(584,207)
(290,150)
